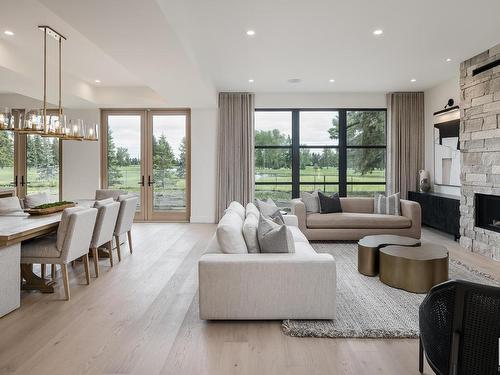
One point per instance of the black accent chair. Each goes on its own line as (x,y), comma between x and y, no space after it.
(460,329)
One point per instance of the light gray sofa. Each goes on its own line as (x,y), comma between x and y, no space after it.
(357,220)
(301,285)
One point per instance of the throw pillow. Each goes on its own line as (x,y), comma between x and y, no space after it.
(236,207)
(252,209)
(250,226)
(277,217)
(329,205)
(37,199)
(274,238)
(311,201)
(10,204)
(387,205)
(230,234)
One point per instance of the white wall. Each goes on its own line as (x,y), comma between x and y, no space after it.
(435,99)
(320,100)
(203,164)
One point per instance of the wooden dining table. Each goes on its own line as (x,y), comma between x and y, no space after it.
(14,229)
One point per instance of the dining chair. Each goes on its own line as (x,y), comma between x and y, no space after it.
(9,205)
(71,242)
(460,329)
(128,204)
(107,214)
(101,194)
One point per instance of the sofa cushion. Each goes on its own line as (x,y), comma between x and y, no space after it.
(274,238)
(297,234)
(304,249)
(251,209)
(238,208)
(352,220)
(230,234)
(250,226)
(359,205)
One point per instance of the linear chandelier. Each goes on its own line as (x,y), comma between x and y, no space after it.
(39,121)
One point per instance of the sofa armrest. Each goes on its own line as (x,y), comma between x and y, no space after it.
(291,220)
(412,211)
(299,210)
(267,286)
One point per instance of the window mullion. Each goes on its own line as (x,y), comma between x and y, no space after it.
(295,153)
(342,153)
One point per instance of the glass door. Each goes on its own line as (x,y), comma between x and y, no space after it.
(168,167)
(7,165)
(122,154)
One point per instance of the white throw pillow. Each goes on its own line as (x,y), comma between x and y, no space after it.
(37,199)
(387,205)
(10,204)
(311,201)
(236,207)
(267,208)
(230,234)
(274,238)
(250,226)
(252,209)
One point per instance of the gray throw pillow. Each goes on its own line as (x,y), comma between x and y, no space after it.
(274,238)
(329,205)
(311,201)
(269,209)
(387,205)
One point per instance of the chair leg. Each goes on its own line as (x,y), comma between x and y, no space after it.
(129,235)
(420,356)
(95,258)
(42,270)
(117,239)
(86,267)
(110,251)
(53,271)
(64,269)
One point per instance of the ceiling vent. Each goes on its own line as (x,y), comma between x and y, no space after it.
(486,67)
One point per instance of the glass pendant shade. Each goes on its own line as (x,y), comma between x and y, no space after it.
(6,119)
(91,132)
(75,129)
(32,122)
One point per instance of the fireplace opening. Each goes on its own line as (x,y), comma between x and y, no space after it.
(488,212)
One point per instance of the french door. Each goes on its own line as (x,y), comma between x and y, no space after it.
(147,153)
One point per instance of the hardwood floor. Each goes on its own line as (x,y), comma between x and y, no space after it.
(141,317)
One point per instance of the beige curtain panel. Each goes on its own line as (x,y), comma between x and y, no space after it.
(236,150)
(406,113)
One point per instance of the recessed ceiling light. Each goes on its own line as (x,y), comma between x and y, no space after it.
(378,32)
(413,80)
(294,80)
(250,80)
(448,59)
(8,32)
(97,81)
(331,80)
(250,32)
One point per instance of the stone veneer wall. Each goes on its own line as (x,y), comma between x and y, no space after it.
(480,148)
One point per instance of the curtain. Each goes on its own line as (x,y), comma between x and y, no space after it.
(236,150)
(406,119)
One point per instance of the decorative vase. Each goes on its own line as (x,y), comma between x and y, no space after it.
(424,181)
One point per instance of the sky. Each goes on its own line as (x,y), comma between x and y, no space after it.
(314,125)
(127,131)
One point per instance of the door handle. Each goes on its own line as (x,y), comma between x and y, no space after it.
(150,182)
(22,180)
(142,181)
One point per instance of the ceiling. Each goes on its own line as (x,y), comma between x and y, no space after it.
(181,52)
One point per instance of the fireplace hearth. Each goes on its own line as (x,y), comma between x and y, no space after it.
(488,212)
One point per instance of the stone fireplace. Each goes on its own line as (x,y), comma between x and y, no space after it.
(480,152)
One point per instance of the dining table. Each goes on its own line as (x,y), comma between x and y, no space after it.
(14,229)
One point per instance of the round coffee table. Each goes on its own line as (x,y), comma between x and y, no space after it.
(369,246)
(415,270)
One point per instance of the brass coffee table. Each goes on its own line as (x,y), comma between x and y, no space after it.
(368,250)
(415,270)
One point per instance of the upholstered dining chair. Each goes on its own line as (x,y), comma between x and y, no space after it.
(9,205)
(128,204)
(107,215)
(101,194)
(460,329)
(71,242)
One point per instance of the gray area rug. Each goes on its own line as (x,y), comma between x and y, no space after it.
(366,307)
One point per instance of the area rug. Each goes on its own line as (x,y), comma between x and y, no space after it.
(368,308)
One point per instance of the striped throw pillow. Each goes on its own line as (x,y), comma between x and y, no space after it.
(387,205)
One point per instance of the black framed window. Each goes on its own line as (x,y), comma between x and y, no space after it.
(333,150)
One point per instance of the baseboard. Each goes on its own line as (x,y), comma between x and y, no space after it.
(202,219)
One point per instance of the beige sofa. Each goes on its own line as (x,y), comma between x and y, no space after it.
(357,220)
(267,286)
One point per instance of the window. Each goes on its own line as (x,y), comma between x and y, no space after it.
(334,150)
(6,159)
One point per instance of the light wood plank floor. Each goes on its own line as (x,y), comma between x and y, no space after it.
(141,317)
